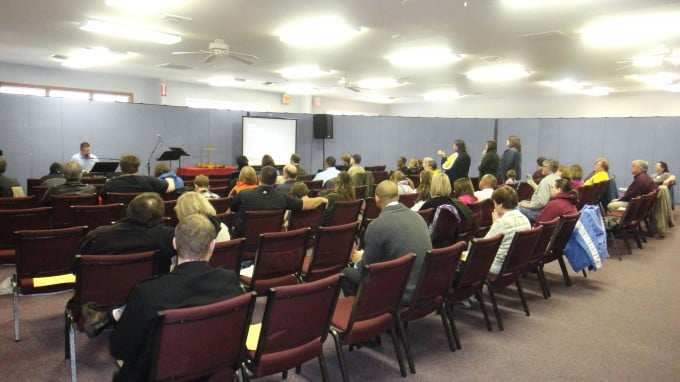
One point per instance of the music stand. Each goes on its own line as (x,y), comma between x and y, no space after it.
(174,153)
(106,168)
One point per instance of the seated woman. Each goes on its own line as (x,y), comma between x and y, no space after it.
(343,190)
(576,175)
(464,191)
(423,189)
(194,203)
(600,172)
(162,171)
(440,192)
(563,201)
(404,184)
(247,178)
(507,220)
(414,167)
(662,176)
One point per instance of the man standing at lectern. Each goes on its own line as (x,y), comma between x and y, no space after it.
(85,158)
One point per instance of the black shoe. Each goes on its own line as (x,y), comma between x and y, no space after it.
(95,319)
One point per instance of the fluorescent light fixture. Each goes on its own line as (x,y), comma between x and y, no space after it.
(144,5)
(675,88)
(379,83)
(299,89)
(321,31)
(87,57)
(566,84)
(110,97)
(648,61)
(22,90)
(129,32)
(657,79)
(376,99)
(629,30)
(423,57)
(540,3)
(673,57)
(305,71)
(441,95)
(597,91)
(221,81)
(69,94)
(496,73)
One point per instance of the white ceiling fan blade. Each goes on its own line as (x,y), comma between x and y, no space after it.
(174,53)
(209,58)
(243,57)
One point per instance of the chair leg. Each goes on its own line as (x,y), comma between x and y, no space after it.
(341,356)
(482,306)
(395,342)
(284,374)
(522,297)
(72,351)
(543,282)
(67,322)
(298,369)
(15,307)
(585,274)
(492,297)
(444,313)
(322,365)
(404,341)
(565,274)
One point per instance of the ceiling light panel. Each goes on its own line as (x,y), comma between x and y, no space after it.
(566,84)
(88,57)
(441,95)
(318,32)
(145,5)
(597,91)
(632,30)
(497,73)
(423,57)
(379,83)
(129,32)
(657,79)
(305,71)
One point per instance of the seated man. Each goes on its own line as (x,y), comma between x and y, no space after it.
(486,187)
(396,232)
(329,173)
(202,186)
(642,184)
(192,283)
(131,182)
(355,165)
(532,208)
(7,185)
(55,177)
(289,178)
(140,230)
(72,173)
(264,198)
(430,165)
(295,161)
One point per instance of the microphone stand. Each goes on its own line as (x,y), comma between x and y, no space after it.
(148,162)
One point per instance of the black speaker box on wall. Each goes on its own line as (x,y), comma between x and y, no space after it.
(323,126)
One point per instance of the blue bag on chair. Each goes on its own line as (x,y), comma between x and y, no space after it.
(587,245)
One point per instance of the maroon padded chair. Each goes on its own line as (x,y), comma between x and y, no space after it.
(438,271)
(221,204)
(543,245)
(105,280)
(524,191)
(445,224)
(97,215)
(346,211)
(223,191)
(360,192)
(61,207)
(428,215)
(468,228)
(120,197)
(256,223)
(515,262)
(227,218)
(38,192)
(169,215)
(214,336)
(313,184)
(228,254)
(560,241)
(472,273)
(17,220)
(294,327)
(379,176)
(278,260)
(93,179)
(408,199)
(311,218)
(43,253)
(31,183)
(18,202)
(485,209)
(374,309)
(331,252)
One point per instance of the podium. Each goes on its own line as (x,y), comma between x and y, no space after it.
(174,153)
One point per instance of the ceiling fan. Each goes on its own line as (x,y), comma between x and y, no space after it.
(344,82)
(219,48)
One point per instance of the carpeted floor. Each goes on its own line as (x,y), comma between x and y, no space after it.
(618,324)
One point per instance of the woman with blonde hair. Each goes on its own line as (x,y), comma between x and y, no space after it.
(190,203)
(246,179)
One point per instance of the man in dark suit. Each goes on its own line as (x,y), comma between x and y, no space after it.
(395,233)
(192,283)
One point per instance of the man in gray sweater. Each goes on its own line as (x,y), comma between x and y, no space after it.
(532,208)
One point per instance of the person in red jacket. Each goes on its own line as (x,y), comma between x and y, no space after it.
(563,201)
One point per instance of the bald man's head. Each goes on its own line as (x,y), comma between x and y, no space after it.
(386,193)
(290,171)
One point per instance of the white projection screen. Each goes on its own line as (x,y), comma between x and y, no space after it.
(273,136)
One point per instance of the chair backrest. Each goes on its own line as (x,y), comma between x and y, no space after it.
(346,211)
(439,270)
(485,208)
(647,205)
(32,182)
(360,192)
(416,179)
(228,254)
(169,213)
(468,227)
(475,268)
(38,192)
(61,207)
(289,337)
(41,253)
(194,342)
(223,191)
(379,176)
(561,239)
(521,249)
(121,197)
(17,220)
(444,228)
(258,222)
(380,289)
(93,179)
(221,204)
(109,279)
(218,182)
(428,215)
(545,241)
(524,191)
(227,218)
(371,210)
(97,215)
(306,218)
(313,184)
(17,203)
(279,258)
(331,251)
(408,199)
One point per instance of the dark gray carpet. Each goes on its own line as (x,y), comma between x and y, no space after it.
(618,324)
